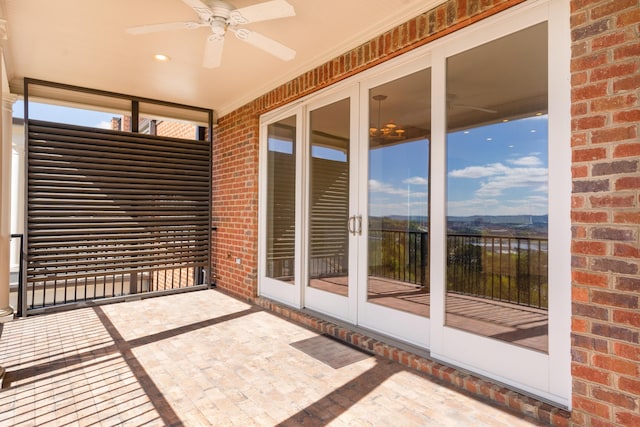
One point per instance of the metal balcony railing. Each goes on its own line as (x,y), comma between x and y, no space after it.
(500,268)
(509,269)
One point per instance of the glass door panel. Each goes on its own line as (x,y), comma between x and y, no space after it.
(281,201)
(497,190)
(331,226)
(393,268)
(398,193)
(280,219)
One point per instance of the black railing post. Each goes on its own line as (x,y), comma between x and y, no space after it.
(21,309)
(133,283)
(423,259)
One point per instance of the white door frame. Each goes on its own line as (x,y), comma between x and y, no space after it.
(402,325)
(275,289)
(338,306)
(545,375)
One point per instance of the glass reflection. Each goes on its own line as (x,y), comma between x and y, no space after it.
(281,200)
(329,198)
(400,127)
(497,189)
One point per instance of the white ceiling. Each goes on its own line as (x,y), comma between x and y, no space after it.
(84,43)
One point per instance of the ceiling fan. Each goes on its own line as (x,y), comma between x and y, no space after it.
(221,16)
(451,103)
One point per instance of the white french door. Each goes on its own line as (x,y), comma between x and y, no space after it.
(427,200)
(393,280)
(332,220)
(500,258)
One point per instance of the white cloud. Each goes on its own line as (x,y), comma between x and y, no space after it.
(376,186)
(383,209)
(526,161)
(492,169)
(542,188)
(104,125)
(416,180)
(385,199)
(513,178)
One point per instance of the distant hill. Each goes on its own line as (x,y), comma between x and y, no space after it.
(501,219)
(486,219)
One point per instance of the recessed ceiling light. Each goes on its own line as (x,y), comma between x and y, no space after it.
(160,57)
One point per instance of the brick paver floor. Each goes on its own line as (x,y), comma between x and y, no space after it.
(204,358)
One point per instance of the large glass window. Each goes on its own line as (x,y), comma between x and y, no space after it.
(281,200)
(497,189)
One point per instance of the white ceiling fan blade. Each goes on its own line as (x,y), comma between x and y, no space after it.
(155,28)
(273,9)
(265,43)
(200,8)
(473,107)
(213,51)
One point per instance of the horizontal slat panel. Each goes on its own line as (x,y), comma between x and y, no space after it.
(71,147)
(46,131)
(69,245)
(104,203)
(113,251)
(121,156)
(42,164)
(86,234)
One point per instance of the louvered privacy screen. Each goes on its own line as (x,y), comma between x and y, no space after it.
(329,246)
(112,213)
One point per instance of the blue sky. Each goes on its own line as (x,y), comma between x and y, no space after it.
(398,179)
(499,169)
(60,114)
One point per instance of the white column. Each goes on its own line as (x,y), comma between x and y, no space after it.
(6,113)
(17,193)
(6,312)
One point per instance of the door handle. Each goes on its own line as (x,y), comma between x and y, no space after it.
(351,222)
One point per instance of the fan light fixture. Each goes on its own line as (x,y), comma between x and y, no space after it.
(390,130)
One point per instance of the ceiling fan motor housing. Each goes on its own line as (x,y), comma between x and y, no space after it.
(219,9)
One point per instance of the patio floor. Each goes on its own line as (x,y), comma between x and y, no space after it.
(204,358)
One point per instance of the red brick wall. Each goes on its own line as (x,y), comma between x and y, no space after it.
(606,187)
(605,214)
(176,129)
(235,202)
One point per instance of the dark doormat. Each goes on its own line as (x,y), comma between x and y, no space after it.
(330,351)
